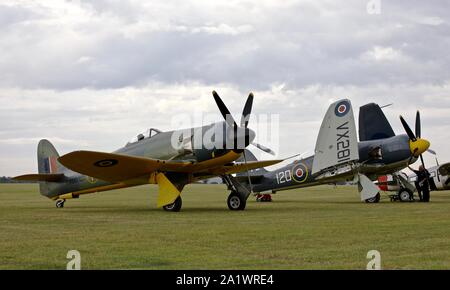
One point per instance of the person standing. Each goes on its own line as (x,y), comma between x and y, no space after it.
(422,183)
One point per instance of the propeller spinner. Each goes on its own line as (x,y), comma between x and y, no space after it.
(417,145)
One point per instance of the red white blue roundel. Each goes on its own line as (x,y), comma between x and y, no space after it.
(342,108)
(300,173)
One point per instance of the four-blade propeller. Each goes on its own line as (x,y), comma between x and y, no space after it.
(241,131)
(417,145)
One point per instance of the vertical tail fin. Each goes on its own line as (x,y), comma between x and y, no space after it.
(48,164)
(48,158)
(336,143)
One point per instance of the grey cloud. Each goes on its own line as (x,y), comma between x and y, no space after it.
(99,74)
(300,44)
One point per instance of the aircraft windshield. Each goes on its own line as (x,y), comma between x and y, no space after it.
(147,134)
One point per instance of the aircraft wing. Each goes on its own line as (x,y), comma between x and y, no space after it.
(337,143)
(117,167)
(444,169)
(337,150)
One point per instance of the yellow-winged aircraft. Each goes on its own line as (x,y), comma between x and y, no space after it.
(169,159)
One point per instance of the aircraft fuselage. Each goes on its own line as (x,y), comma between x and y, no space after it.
(192,144)
(393,155)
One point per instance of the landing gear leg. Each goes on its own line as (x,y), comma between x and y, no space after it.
(60,203)
(237,199)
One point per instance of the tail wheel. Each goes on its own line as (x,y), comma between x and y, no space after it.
(175,206)
(374,199)
(405,195)
(60,203)
(236,202)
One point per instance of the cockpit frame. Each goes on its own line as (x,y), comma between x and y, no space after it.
(150,133)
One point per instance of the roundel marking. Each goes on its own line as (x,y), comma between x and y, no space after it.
(300,173)
(106,163)
(342,108)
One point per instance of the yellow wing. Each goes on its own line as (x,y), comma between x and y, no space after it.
(116,167)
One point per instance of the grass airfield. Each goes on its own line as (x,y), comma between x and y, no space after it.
(314,228)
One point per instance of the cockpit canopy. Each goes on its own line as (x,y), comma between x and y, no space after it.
(147,134)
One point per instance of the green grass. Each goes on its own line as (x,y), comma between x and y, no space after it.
(316,228)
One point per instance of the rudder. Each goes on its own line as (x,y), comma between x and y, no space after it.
(48,164)
(47,158)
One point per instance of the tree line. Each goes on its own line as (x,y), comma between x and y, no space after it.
(7,179)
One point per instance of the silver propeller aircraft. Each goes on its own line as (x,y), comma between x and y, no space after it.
(169,159)
(339,157)
(439,180)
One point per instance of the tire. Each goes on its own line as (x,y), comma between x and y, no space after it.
(374,199)
(60,203)
(236,202)
(175,206)
(404,195)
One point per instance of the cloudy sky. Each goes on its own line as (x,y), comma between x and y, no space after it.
(92,74)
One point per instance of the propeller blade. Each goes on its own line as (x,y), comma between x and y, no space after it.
(418,126)
(421,159)
(263,148)
(408,130)
(247,110)
(431,151)
(248,174)
(224,110)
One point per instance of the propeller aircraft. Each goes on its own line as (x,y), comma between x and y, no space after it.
(169,159)
(339,157)
(439,180)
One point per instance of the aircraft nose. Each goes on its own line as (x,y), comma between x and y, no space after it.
(419,146)
(245,136)
(240,138)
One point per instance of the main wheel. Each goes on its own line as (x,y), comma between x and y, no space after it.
(374,199)
(60,203)
(405,195)
(175,206)
(236,202)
